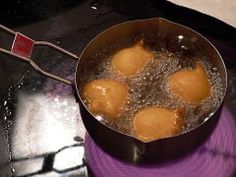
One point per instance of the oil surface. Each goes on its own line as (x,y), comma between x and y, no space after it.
(149,87)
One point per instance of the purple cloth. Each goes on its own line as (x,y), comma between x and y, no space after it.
(215,158)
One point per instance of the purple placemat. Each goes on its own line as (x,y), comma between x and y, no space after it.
(215,158)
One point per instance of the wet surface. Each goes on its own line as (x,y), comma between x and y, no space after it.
(41,129)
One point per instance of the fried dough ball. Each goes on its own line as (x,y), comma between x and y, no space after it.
(105,97)
(191,86)
(130,61)
(155,123)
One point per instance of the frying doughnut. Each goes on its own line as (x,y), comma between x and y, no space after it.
(155,123)
(191,86)
(130,61)
(105,97)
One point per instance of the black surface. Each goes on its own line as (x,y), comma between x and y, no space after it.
(21,12)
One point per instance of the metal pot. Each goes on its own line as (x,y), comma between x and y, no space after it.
(115,143)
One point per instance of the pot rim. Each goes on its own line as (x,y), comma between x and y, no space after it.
(159,19)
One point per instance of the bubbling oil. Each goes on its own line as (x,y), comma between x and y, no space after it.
(149,87)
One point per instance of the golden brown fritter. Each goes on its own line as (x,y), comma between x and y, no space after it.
(105,97)
(130,61)
(191,86)
(154,123)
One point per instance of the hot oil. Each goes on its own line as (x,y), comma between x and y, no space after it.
(149,87)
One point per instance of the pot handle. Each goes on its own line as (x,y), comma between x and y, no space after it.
(22,48)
